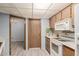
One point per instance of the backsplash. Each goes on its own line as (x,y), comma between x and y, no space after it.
(63,34)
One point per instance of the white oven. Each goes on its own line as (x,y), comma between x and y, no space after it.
(56,48)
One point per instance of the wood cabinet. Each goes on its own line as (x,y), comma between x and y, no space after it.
(48,44)
(52,22)
(66,13)
(68,51)
(58,17)
(72,12)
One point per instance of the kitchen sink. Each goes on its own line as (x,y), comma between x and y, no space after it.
(56,38)
(65,40)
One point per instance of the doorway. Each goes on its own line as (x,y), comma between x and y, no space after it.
(34,33)
(17,31)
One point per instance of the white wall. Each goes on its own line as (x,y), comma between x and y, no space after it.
(17,29)
(44,25)
(76,18)
(4,32)
(26,33)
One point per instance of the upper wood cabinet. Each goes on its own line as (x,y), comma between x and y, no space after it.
(58,17)
(72,8)
(66,13)
(53,22)
(50,22)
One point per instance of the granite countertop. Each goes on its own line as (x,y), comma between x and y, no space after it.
(70,44)
(51,37)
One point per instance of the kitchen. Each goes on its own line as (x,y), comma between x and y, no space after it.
(62,41)
(57,32)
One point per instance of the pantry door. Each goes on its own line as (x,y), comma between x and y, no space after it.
(34,33)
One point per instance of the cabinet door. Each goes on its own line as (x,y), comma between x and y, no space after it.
(58,17)
(50,22)
(72,10)
(53,22)
(66,12)
(48,44)
(68,51)
(72,13)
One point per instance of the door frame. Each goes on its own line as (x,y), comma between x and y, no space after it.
(10,31)
(40,30)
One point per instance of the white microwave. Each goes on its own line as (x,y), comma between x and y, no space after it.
(64,24)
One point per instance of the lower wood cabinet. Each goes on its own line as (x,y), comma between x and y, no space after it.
(68,51)
(48,44)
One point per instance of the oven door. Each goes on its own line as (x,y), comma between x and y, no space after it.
(56,49)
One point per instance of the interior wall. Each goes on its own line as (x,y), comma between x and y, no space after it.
(44,25)
(26,33)
(17,29)
(4,32)
(76,18)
